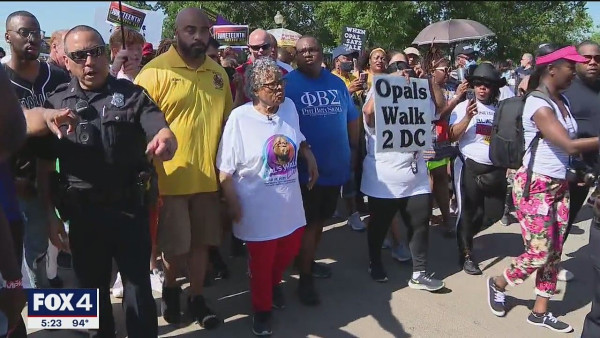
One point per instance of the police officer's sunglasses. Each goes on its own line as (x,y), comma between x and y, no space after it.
(81,55)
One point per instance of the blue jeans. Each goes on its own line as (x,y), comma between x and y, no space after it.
(35,241)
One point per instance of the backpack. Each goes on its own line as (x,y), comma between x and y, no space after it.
(507,142)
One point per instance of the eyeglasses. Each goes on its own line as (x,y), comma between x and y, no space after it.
(594,57)
(259,47)
(28,34)
(273,86)
(81,55)
(443,69)
(478,83)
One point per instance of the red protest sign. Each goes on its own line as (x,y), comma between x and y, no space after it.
(132,17)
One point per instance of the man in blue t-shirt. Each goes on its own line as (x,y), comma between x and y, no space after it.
(329,121)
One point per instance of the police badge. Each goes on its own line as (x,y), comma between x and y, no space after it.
(218,81)
(118,100)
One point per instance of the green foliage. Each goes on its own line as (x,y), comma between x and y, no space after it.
(519,26)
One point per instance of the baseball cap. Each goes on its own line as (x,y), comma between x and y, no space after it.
(412,50)
(342,50)
(148,49)
(465,49)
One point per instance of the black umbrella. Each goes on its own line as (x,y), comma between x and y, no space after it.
(452,31)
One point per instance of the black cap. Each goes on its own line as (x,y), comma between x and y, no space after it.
(466,49)
(489,73)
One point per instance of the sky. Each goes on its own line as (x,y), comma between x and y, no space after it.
(55,15)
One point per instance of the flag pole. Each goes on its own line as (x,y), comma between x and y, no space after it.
(121,22)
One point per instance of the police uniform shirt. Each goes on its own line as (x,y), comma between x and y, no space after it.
(584,103)
(107,149)
(32,95)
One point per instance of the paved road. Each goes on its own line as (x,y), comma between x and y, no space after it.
(355,306)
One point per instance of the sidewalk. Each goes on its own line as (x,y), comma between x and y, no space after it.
(355,306)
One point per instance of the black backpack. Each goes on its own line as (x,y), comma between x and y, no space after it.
(507,143)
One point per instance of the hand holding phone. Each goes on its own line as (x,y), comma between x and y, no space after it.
(363,77)
(470,94)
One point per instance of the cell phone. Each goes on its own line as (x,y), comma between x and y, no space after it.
(470,94)
(363,77)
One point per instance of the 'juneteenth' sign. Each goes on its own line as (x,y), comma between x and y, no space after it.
(231,35)
(132,17)
(403,112)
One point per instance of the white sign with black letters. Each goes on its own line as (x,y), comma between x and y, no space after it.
(403,112)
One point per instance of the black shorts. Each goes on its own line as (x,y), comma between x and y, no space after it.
(320,202)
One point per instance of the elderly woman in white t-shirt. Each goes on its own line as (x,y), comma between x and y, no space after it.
(541,189)
(257,162)
(480,186)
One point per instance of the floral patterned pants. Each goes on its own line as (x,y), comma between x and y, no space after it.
(543,217)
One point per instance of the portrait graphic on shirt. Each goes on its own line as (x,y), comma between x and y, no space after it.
(483,124)
(279,158)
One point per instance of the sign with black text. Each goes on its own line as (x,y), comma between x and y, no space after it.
(403,112)
(354,38)
(63,309)
(231,35)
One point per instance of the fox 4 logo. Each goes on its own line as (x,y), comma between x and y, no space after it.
(76,302)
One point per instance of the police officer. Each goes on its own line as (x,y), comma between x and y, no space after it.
(103,179)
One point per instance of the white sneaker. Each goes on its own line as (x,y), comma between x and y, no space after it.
(565,275)
(356,223)
(117,289)
(156,280)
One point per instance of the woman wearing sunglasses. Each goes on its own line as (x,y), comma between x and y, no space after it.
(543,205)
(437,68)
(480,186)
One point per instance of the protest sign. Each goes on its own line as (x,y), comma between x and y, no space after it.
(153,22)
(231,35)
(132,17)
(403,112)
(354,38)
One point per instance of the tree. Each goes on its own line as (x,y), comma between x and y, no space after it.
(298,15)
(596,35)
(388,24)
(519,26)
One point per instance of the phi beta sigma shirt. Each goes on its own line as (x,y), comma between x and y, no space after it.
(475,143)
(324,108)
(262,156)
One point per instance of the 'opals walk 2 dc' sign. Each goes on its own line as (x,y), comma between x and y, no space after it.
(132,17)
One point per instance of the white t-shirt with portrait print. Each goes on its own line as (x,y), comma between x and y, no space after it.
(262,156)
(475,142)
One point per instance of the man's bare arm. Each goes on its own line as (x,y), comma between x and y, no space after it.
(12,120)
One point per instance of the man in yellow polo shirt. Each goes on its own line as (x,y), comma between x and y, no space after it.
(193,92)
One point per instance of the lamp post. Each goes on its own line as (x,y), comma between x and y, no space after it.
(278,19)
